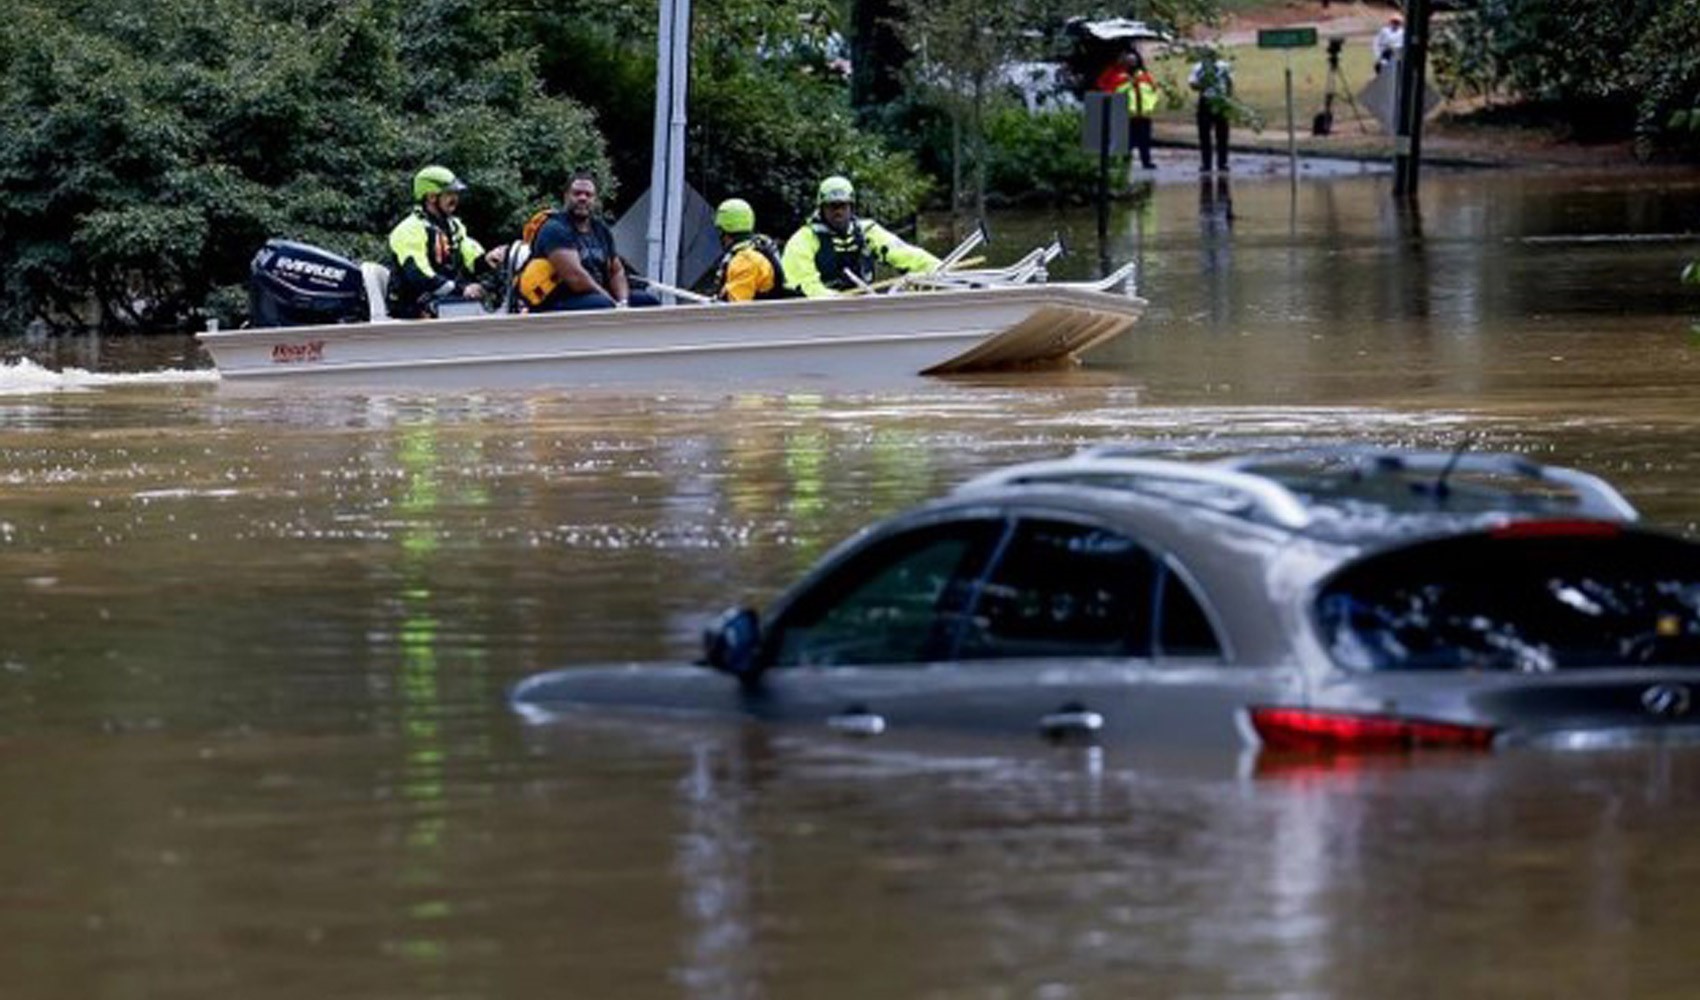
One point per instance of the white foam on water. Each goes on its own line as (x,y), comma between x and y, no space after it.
(25,377)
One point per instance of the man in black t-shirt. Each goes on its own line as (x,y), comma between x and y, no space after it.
(585,270)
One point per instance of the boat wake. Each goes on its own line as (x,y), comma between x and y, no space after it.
(25,377)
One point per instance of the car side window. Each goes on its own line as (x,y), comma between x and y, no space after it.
(900,600)
(1063,589)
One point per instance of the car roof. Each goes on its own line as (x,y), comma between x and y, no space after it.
(1356,496)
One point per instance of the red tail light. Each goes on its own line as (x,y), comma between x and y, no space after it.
(1558,529)
(1318,731)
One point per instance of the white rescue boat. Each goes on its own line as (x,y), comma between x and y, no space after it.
(943,324)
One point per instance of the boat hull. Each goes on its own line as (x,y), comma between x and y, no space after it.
(945,332)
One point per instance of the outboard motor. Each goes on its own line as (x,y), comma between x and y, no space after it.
(293,284)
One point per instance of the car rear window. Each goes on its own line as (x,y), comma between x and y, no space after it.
(1532,597)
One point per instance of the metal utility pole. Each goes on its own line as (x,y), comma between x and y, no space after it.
(667,159)
(1288,39)
(1413,66)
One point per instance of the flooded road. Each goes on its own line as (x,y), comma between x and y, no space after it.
(254,646)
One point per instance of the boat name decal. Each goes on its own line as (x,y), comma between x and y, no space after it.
(289,354)
(329,272)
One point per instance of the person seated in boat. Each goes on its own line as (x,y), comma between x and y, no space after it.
(432,257)
(823,254)
(749,266)
(574,263)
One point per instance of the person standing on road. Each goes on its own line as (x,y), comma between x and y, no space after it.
(1128,75)
(1213,79)
(1389,42)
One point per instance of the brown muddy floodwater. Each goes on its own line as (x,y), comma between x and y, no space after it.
(254,646)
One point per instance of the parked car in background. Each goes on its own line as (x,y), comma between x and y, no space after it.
(1342,599)
(1041,86)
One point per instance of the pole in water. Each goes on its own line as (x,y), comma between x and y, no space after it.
(1408,135)
(1104,110)
(1292,141)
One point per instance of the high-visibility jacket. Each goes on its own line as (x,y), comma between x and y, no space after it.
(1143,95)
(431,257)
(816,258)
(1139,86)
(750,269)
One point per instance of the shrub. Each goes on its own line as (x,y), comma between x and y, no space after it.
(148,150)
(1039,158)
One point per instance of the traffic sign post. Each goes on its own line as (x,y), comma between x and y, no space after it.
(1105,132)
(1289,39)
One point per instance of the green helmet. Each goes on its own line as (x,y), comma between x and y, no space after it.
(435,180)
(835,189)
(735,216)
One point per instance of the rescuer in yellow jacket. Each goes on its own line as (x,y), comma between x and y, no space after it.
(749,266)
(1128,75)
(822,254)
(431,256)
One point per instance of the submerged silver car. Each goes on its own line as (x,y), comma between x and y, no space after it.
(1341,599)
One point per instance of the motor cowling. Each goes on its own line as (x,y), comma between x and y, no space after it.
(294,284)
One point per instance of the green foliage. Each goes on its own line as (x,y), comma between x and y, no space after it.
(770,140)
(957,121)
(961,48)
(611,72)
(1611,68)
(1038,158)
(148,150)
(767,118)
(1664,73)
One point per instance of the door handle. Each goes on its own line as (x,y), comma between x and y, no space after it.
(856,721)
(1071,723)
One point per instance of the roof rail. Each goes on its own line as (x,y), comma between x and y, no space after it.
(1247,486)
(1247,493)
(1594,496)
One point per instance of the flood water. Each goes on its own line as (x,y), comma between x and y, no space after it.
(254,646)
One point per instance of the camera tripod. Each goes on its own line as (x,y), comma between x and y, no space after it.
(1323,124)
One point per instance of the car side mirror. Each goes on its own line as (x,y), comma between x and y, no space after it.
(730,642)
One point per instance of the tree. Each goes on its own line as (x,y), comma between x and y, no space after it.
(1664,73)
(769,113)
(1608,68)
(964,50)
(149,149)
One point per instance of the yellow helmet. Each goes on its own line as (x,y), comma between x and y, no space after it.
(835,189)
(735,216)
(435,180)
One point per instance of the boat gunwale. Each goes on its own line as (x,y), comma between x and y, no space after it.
(745,313)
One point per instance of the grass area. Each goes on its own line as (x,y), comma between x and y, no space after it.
(1232,7)
(1260,81)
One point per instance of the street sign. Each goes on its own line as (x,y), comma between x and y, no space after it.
(1286,38)
(1105,122)
(1380,98)
(1104,131)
